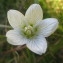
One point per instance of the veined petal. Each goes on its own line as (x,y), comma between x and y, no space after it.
(15,18)
(34,13)
(48,26)
(38,45)
(15,38)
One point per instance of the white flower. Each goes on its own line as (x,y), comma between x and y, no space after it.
(30,29)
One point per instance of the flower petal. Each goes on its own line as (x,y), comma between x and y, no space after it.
(48,26)
(34,13)
(15,18)
(15,38)
(38,45)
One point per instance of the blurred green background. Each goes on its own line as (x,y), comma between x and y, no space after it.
(54,54)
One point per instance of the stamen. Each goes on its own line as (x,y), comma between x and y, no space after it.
(28,30)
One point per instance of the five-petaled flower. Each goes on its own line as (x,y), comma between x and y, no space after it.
(30,29)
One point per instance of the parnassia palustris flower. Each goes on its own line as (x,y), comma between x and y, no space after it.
(30,29)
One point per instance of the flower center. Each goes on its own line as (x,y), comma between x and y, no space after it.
(29,31)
